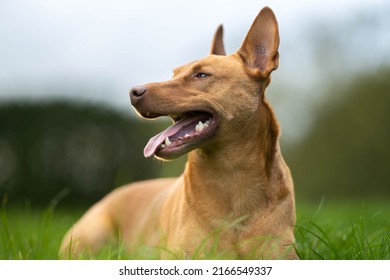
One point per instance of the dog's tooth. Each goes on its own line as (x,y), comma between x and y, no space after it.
(162,146)
(187,135)
(167,142)
(199,127)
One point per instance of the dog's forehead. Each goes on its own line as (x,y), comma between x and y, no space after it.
(184,68)
(208,63)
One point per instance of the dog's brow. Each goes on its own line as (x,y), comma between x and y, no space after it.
(202,65)
(177,70)
(197,68)
(183,68)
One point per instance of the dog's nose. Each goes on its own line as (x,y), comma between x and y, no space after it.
(136,93)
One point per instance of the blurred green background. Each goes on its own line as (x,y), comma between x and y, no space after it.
(77,151)
(331,95)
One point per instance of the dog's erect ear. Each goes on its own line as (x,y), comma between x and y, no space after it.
(217,46)
(259,51)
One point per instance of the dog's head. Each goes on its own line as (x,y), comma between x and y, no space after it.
(215,99)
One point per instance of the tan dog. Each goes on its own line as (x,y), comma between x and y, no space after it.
(236,194)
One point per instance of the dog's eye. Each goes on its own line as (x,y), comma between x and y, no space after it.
(201,75)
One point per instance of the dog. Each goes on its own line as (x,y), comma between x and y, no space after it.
(236,194)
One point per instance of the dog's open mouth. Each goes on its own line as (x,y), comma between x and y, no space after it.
(187,133)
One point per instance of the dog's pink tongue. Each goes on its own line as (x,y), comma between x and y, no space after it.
(157,140)
(154,142)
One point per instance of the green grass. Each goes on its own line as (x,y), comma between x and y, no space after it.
(326,230)
(344,231)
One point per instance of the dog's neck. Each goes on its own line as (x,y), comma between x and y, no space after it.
(243,176)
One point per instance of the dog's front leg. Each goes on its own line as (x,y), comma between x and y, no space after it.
(89,234)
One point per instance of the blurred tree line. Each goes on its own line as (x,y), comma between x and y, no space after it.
(347,154)
(46,148)
(74,150)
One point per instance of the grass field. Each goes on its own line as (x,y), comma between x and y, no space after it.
(325,230)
